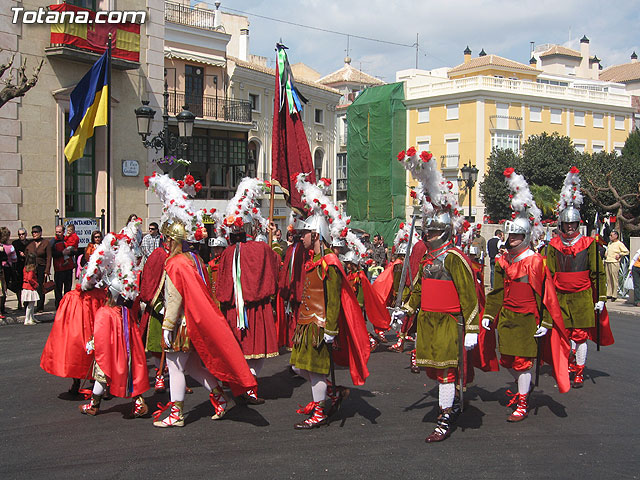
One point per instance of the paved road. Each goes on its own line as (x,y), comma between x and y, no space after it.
(588,433)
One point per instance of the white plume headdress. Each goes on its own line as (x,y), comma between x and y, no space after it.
(522,202)
(402,236)
(177,204)
(570,195)
(433,191)
(244,204)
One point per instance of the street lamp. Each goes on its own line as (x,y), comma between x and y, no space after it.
(170,143)
(469,175)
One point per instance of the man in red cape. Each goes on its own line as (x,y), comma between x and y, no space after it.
(522,284)
(65,353)
(579,277)
(329,311)
(197,337)
(247,276)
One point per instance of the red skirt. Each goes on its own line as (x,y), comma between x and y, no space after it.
(260,340)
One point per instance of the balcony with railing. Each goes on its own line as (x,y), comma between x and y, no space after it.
(505,122)
(211,107)
(449,162)
(517,87)
(191,17)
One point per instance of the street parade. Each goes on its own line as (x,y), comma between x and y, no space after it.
(228,251)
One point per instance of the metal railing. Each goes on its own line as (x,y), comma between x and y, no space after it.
(210,107)
(191,17)
(517,87)
(505,122)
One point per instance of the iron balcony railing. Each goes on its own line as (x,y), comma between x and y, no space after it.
(210,107)
(191,17)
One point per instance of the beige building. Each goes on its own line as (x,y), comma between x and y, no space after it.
(205,55)
(349,81)
(35,178)
(460,114)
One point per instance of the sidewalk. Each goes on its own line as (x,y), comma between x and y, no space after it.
(15,316)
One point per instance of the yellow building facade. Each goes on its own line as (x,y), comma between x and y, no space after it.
(460,114)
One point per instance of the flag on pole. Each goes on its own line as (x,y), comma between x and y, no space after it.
(89,107)
(290,154)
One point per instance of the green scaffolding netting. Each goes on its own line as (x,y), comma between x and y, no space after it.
(376,180)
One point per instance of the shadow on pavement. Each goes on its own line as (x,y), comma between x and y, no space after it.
(279,385)
(238,413)
(354,404)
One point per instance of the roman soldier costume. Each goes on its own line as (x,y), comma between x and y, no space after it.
(196,336)
(120,360)
(523,302)
(579,278)
(445,292)
(328,311)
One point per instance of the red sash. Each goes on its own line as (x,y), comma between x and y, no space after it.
(518,297)
(571,282)
(442,296)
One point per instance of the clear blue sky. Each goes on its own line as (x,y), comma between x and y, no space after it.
(445,28)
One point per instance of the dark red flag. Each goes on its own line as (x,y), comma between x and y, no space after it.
(290,153)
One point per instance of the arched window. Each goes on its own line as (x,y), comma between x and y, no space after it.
(318,160)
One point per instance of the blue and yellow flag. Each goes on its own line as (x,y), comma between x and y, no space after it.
(89,104)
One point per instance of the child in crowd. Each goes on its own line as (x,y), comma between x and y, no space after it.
(29,288)
(71,241)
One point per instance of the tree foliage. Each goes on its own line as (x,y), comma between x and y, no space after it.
(546,159)
(493,189)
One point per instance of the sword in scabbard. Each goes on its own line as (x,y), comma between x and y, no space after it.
(461,359)
(597,297)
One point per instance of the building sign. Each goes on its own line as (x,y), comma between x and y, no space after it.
(84,227)
(130,168)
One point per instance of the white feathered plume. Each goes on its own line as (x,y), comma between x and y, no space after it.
(570,195)
(177,205)
(522,202)
(318,202)
(433,191)
(402,236)
(244,203)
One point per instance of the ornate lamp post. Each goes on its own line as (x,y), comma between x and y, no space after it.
(170,143)
(469,175)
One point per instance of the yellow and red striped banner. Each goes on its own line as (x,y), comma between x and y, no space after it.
(94,36)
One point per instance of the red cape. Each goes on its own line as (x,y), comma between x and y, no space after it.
(65,353)
(555,344)
(289,289)
(208,329)
(259,267)
(353,338)
(150,282)
(606,335)
(376,310)
(125,368)
(383,285)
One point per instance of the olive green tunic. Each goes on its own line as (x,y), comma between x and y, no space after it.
(577,307)
(437,332)
(515,330)
(309,350)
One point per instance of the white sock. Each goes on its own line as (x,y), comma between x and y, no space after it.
(318,386)
(98,388)
(28,317)
(446,394)
(573,345)
(524,382)
(255,365)
(177,382)
(581,353)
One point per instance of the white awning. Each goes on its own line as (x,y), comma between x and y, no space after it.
(215,60)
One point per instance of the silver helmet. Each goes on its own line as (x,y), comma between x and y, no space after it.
(350,257)
(218,242)
(401,249)
(436,222)
(338,242)
(315,223)
(521,226)
(261,237)
(569,215)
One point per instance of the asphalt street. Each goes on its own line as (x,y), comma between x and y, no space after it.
(379,433)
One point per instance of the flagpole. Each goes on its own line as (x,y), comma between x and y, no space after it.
(109,134)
